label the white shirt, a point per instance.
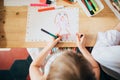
(49, 62)
(107, 52)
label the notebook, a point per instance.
(60, 21)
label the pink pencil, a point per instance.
(38, 4)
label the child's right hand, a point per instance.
(54, 41)
(80, 40)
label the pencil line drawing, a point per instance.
(62, 23)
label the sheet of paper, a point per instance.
(62, 21)
(24, 2)
(19, 2)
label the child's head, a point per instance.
(70, 66)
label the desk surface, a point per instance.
(13, 26)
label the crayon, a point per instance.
(91, 10)
(46, 9)
(117, 2)
(43, 1)
(46, 1)
(83, 1)
(50, 8)
(94, 4)
(49, 33)
(70, 1)
(116, 6)
(35, 4)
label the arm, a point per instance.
(117, 27)
(87, 55)
(35, 73)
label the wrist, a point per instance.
(49, 47)
(81, 47)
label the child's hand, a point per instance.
(54, 41)
(80, 40)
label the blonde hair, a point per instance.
(70, 66)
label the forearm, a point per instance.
(41, 58)
(35, 73)
(81, 45)
(94, 64)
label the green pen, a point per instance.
(91, 10)
(49, 33)
(94, 4)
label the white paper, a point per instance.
(19, 2)
(24, 2)
(62, 21)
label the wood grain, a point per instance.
(13, 22)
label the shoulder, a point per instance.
(49, 62)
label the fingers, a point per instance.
(77, 37)
(58, 38)
(80, 36)
(80, 40)
(57, 35)
(54, 41)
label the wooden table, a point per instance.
(13, 26)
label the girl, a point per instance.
(66, 65)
